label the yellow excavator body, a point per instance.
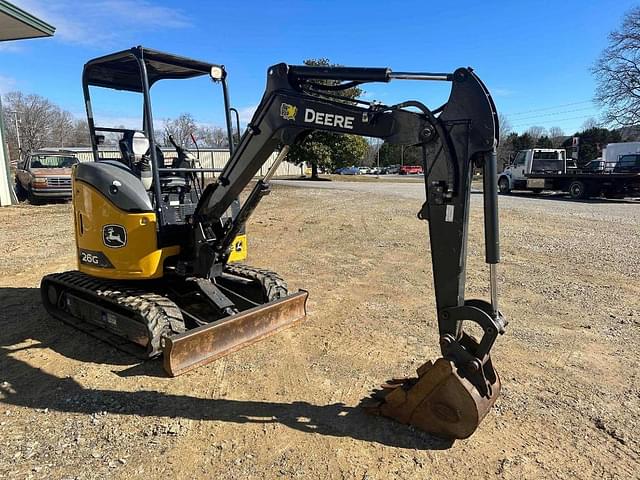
(115, 244)
(119, 245)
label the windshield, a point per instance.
(547, 161)
(52, 161)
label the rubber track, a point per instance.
(273, 285)
(161, 315)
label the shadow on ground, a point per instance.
(24, 320)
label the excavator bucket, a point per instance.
(440, 401)
(207, 343)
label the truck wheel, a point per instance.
(615, 195)
(577, 190)
(503, 186)
(21, 193)
(33, 200)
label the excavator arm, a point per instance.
(451, 396)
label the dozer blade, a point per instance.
(439, 401)
(209, 342)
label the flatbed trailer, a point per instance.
(584, 185)
(537, 170)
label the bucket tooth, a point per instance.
(207, 343)
(440, 401)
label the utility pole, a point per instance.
(15, 119)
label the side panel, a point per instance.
(112, 243)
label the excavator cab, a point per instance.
(168, 187)
(156, 244)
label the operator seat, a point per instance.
(170, 180)
(133, 145)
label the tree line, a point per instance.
(40, 123)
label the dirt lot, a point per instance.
(72, 407)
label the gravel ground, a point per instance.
(74, 408)
(626, 211)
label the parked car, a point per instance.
(348, 171)
(44, 176)
(392, 170)
(594, 166)
(628, 164)
(410, 170)
(364, 170)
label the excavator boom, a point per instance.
(456, 392)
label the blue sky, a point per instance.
(534, 56)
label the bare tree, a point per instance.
(536, 132)
(212, 137)
(556, 134)
(35, 118)
(617, 73)
(505, 147)
(505, 126)
(112, 138)
(40, 123)
(80, 136)
(180, 129)
(590, 123)
(61, 128)
(371, 154)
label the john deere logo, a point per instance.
(288, 112)
(114, 236)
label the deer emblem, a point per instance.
(114, 236)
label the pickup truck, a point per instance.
(45, 175)
(541, 169)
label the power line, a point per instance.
(548, 108)
(562, 112)
(560, 120)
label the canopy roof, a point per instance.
(17, 24)
(120, 70)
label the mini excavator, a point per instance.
(156, 244)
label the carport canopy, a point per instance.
(16, 24)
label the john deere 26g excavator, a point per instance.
(154, 242)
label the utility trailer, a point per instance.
(541, 169)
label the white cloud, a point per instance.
(6, 84)
(114, 121)
(246, 113)
(501, 92)
(12, 47)
(104, 22)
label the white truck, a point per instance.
(613, 152)
(541, 169)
